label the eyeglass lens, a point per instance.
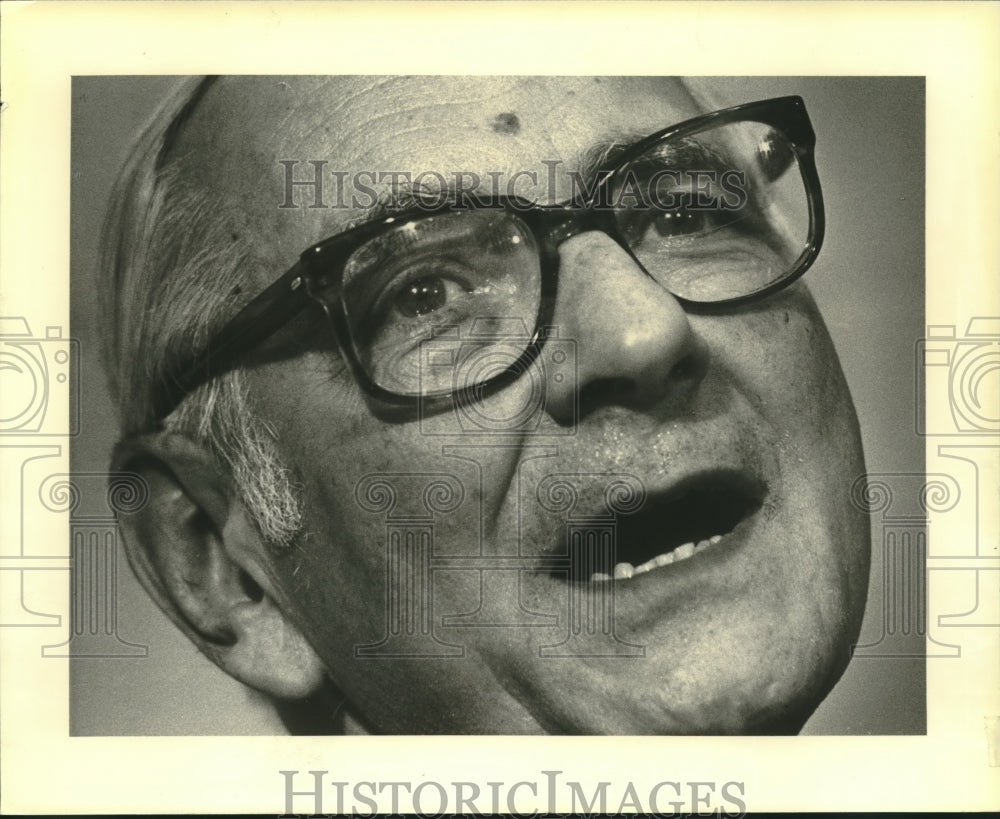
(425, 296)
(444, 301)
(716, 216)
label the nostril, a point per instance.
(649, 388)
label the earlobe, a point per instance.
(195, 550)
(270, 653)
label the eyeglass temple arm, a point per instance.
(261, 318)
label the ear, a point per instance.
(198, 554)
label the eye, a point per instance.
(649, 225)
(423, 287)
(680, 221)
(424, 295)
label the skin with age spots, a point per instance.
(746, 636)
(507, 123)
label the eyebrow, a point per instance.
(407, 195)
(599, 158)
(689, 153)
(603, 156)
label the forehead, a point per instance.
(245, 126)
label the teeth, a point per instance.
(623, 571)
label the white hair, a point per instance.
(172, 272)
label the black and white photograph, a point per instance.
(481, 493)
(403, 432)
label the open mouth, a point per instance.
(694, 516)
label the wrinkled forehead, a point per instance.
(245, 126)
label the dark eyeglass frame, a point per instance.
(324, 262)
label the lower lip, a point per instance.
(641, 600)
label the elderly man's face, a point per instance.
(745, 409)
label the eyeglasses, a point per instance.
(453, 298)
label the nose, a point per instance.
(633, 341)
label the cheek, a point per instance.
(783, 360)
(362, 481)
(359, 476)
